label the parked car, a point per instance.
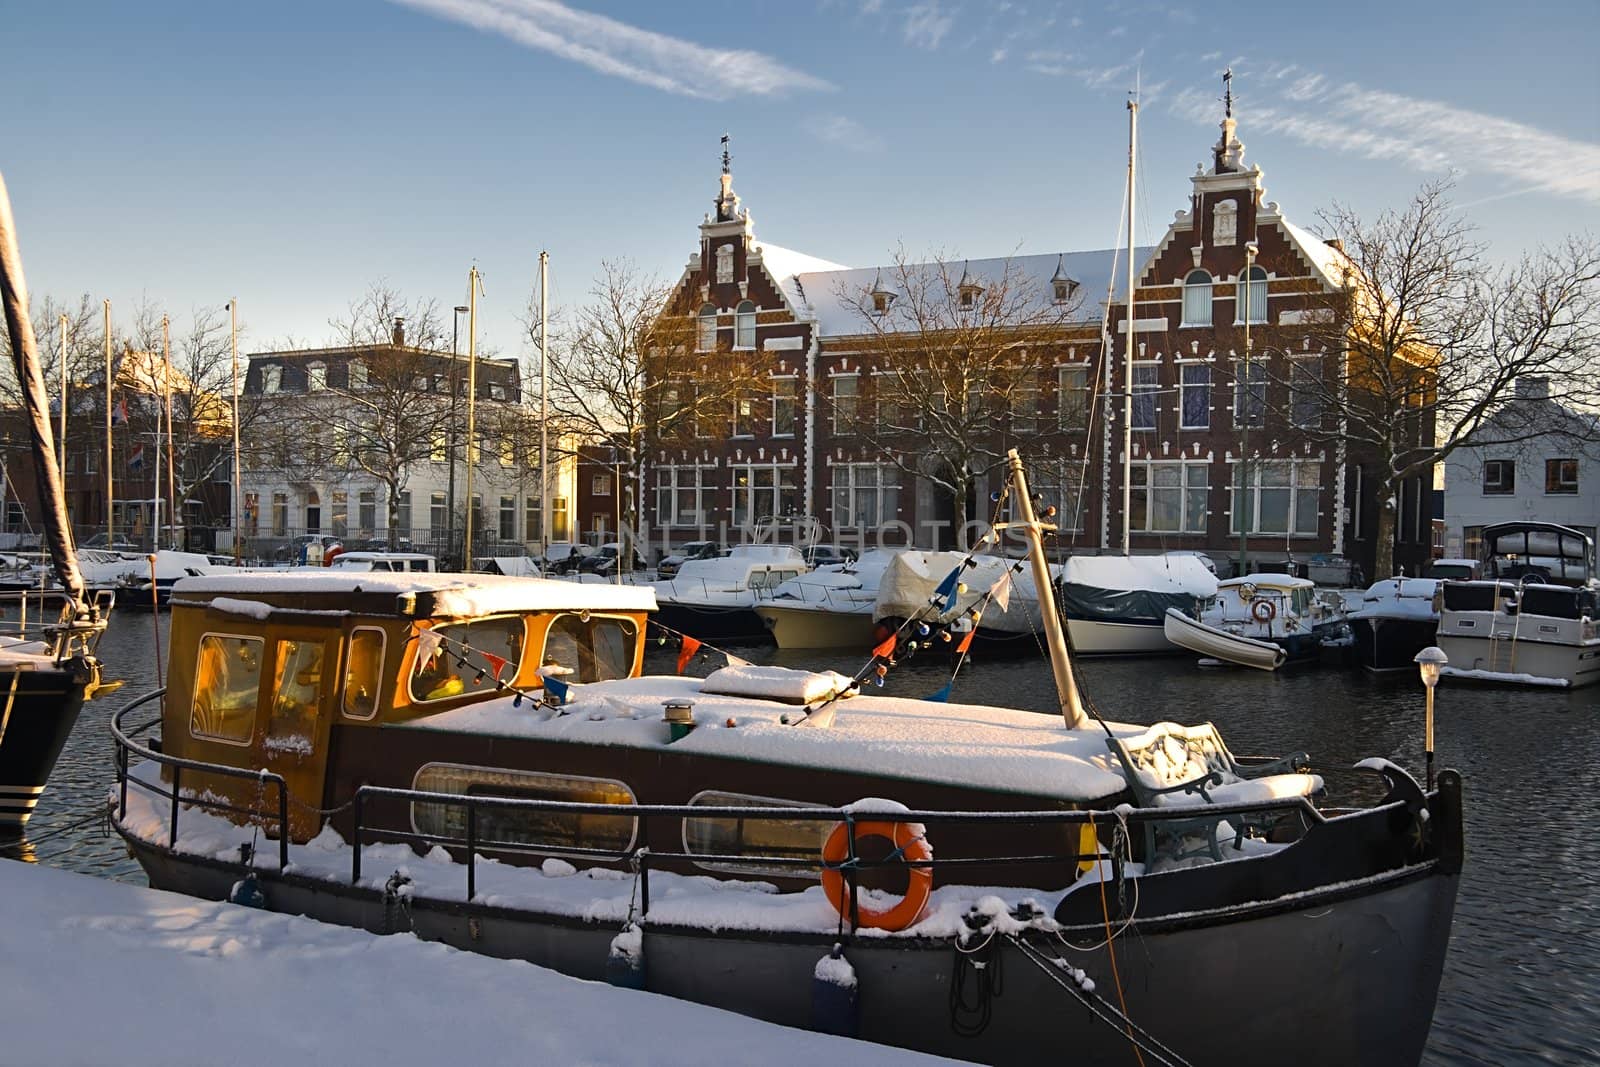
(604, 561)
(668, 567)
(824, 555)
(1458, 569)
(563, 557)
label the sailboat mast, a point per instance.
(474, 283)
(172, 480)
(111, 539)
(61, 446)
(1060, 663)
(544, 411)
(233, 343)
(1127, 383)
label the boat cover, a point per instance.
(1133, 587)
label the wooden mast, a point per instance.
(1060, 664)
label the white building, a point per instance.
(1553, 476)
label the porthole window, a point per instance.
(525, 829)
(787, 838)
(227, 684)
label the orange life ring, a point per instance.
(1264, 610)
(912, 846)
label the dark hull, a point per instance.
(1350, 973)
(711, 623)
(34, 729)
(1391, 644)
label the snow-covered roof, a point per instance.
(823, 294)
(785, 265)
(462, 595)
(1271, 581)
(1327, 260)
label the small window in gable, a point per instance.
(1197, 299)
(1064, 289)
(706, 339)
(744, 325)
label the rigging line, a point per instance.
(680, 634)
(1111, 948)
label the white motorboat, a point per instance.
(1196, 636)
(830, 607)
(1118, 604)
(1278, 608)
(1535, 620)
(715, 599)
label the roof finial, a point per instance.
(1227, 96)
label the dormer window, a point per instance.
(744, 325)
(316, 377)
(881, 296)
(968, 291)
(1197, 299)
(706, 332)
(358, 374)
(271, 378)
(1062, 286)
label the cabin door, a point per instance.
(300, 681)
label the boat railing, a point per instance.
(638, 854)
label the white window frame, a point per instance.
(788, 393)
(670, 481)
(1251, 288)
(1147, 389)
(848, 486)
(1083, 389)
(755, 495)
(1560, 482)
(316, 377)
(1298, 493)
(841, 427)
(1310, 367)
(706, 329)
(1498, 487)
(744, 326)
(1184, 386)
(271, 377)
(1194, 477)
(1243, 371)
(1191, 292)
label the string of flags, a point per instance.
(689, 647)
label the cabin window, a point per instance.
(595, 650)
(460, 666)
(363, 672)
(296, 694)
(227, 680)
(759, 839)
(526, 829)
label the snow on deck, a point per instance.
(454, 594)
(966, 745)
(98, 970)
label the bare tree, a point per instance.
(1423, 348)
(954, 365)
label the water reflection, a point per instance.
(1519, 984)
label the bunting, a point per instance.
(686, 653)
(736, 661)
(885, 648)
(496, 663)
(943, 695)
(1001, 593)
(948, 589)
(556, 691)
(428, 643)
(966, 641)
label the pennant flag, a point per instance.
(119, 413)
(947, 589)
(943, 695)
(1001, 594)
(428, 644)
(136, 458)
(966, 641)
(556, 691)
(885, 648)
(686, 653)
(496, 663)
(736, 661)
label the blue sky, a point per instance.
(290, 153)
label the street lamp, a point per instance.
(1429, 661)
(450, 492)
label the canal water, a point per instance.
(1522, 980)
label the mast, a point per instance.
(544, 410)
(61, 457)
(25, 360)
(1060, 664)
(474, 282)
(233, 342)
(1127, 384)
(111, 539)
(172, 481)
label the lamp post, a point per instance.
(450, 492)
(1429, 661)
(1247, 513)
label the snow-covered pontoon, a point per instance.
(477, 760)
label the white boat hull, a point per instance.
(1525, 663)
(809, 626)
(1219, 644)
(1101, 638)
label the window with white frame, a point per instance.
(744, 325)
(438, 515)
(1561, 476)
(1194, 400)
(785, 406)
(1025, 402)
(1279, 496)
(1168, 497)
(1059, 485)
(763, 490)
(1072, 396)
(1249, 393)
(744, 417)
(1146, 383)
(532, 526)
(682, 494)
(367, 511)
(1305, 392)
(844, 402)
(1252, 300)
(1499, 477)
(865, 495)
(706, 329)
(316, 376)
(508, 518)
(1197, 299)
(402, 515)
(358, 374)
(600, 485)
(280, 514)
(891, 409)
(271, 377)
(438, 446)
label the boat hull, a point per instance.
(1529, 663)
(1391, 644)
(1219, 644)
(1099, 637)
(714, 623)
(1351, 972)
(794, 626)
(34, 726)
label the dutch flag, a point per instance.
(136, 457)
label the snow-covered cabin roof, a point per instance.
(824, 294)
(454, 595)
(1271, 581)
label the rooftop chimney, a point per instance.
(399, 332)
(1334, 243)
(1533, 387)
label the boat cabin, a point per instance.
(400, 562)
(1538, 552)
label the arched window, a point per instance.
(1253, 298)
(744, 325)
(706, 339)
(1197, 299)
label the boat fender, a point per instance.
(835, 996)
(1264, 610)
(247, 893)
(910, 845)
(625, 960)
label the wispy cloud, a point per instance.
(617, 49)
(844, 132)
(926, 25)
(1423, 134)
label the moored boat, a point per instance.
(830, 607)
(715, 599)
(476, 760)
(1396, 619)
(1278, 608)
(1196, 636)
(1118, 604)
